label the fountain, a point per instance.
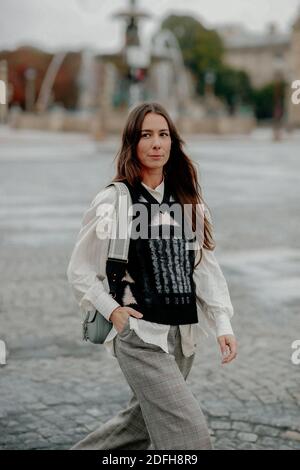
(172, 80)
(140, 72)
(3, 91)
(48, 82)
(87, 82)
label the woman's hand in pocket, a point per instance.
(120, 315)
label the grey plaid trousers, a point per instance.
(162, 412)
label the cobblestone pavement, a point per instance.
(55, 388)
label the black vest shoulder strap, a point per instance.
(138, 190)
(148, 196)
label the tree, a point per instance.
(234, 86)
(203, 51)
(201, 48)
(264, 99)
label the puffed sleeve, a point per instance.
(86, 271)
(212, 292)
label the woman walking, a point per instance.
(167, 295)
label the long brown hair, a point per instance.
(179, 172)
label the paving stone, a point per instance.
(220, 425)
(225, 433)
(247, 436)
(294, 436)
(266, 430)
(271, 443)
(240, 426)
(247, 446)
(94, 412)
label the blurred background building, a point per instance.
(220, 80)
(268, 58)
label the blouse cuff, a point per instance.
(103, 301)
(223, 325)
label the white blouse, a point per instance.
(87, 276)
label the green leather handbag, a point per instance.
(96, 328)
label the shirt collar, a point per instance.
(159, 189)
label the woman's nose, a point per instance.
(156, 142)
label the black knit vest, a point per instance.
(159, 276)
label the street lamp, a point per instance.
(278, 97)
(137, 60)
(30, 77)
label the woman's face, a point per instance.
(153, 149)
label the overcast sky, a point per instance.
(73, 24)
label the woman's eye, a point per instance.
(162, 134)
